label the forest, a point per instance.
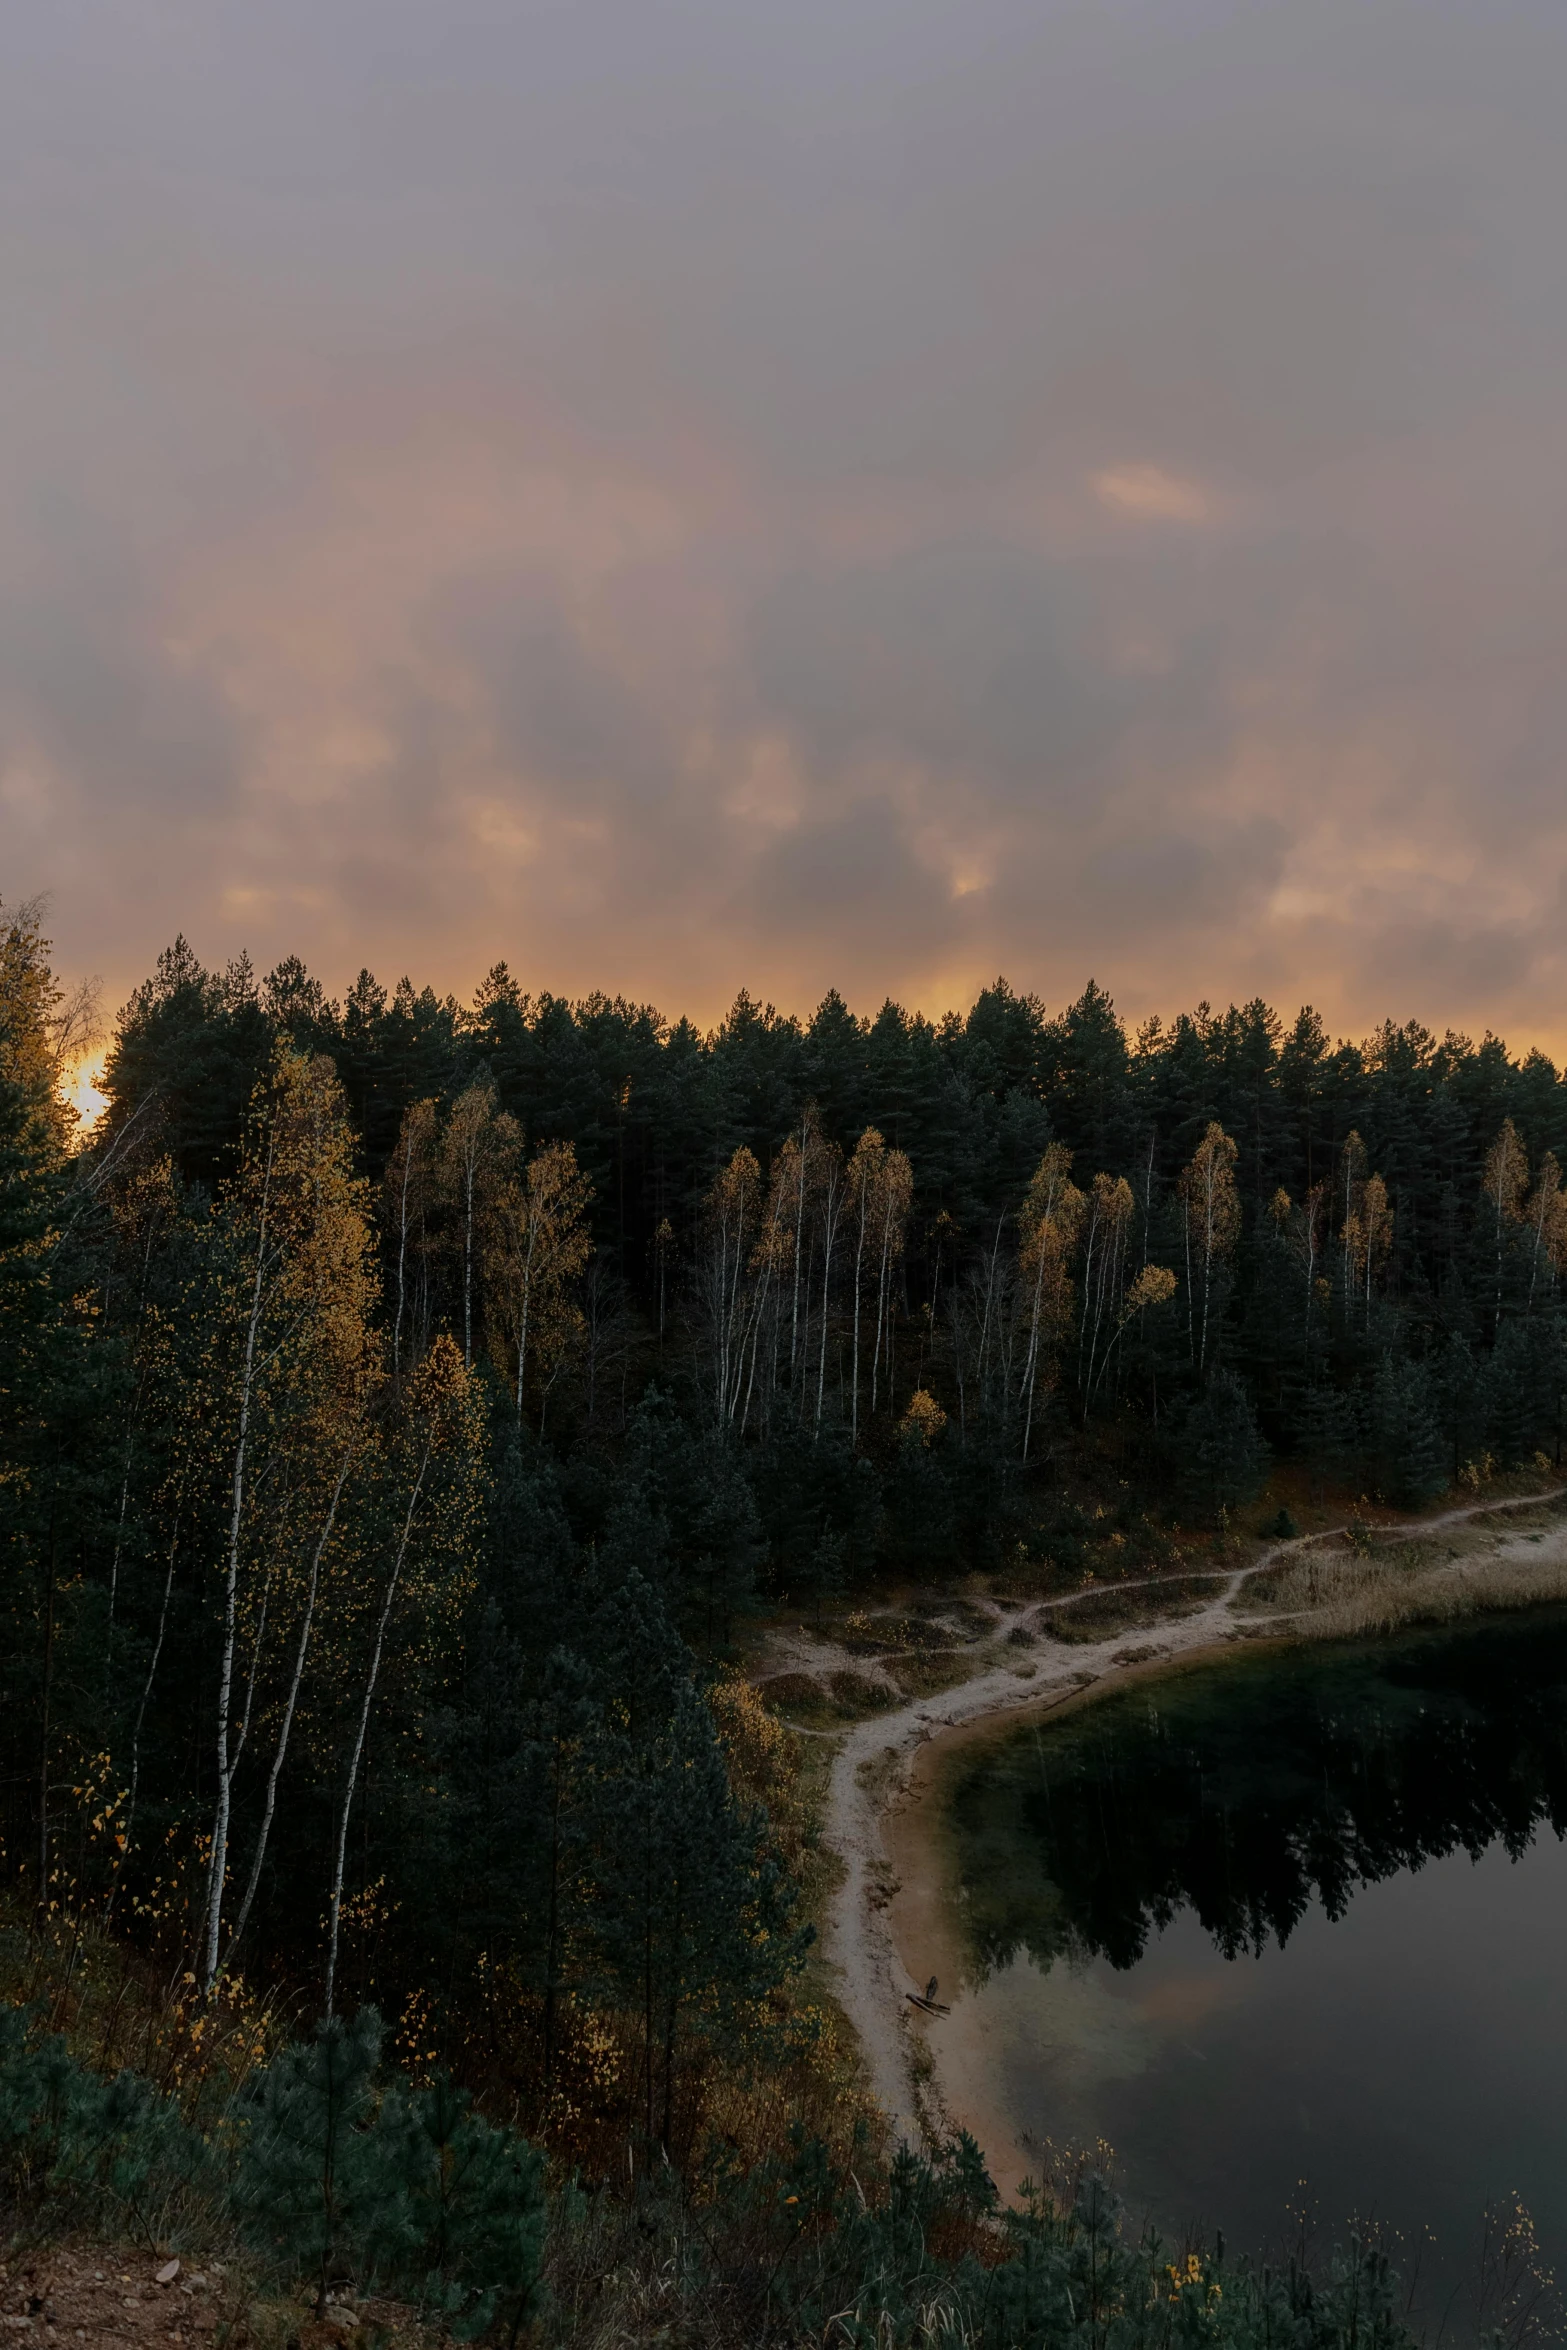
(406, 1405)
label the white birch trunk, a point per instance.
(341, 1861)
(220, 1821)
(286, 1727)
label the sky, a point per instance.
(683, 494)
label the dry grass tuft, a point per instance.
(1337, 1595)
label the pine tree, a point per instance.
(692, 1916)
(1460, 1402)
(474, 2201)
(1403, 1441)
(1222, 1458)
(316, 2182)
(1325, 1422)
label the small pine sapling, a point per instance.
(474, 2198)
(318, 2184)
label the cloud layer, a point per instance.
(679, 495)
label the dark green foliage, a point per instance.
(191, 1048)
(544, 1827)
(473, 2196)
(1459, 1397)
(316, 2183)
(408, 2189)
(109, 2151)
(1403, 1440)
(334, 2180)
(413, 2193)
(1222, 1458)
(921, 1512)
(690, 1910)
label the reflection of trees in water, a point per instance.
(1247, 1792)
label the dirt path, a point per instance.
(873, 1774)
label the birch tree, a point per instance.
(897, 1195)
(732, 1224)
(1545, 1218)
(1367, 1238)
(1108, 1226)
(475, 1149)
(537, 1242)
(831, 1200)
(1212, 1217)
(1302, 1230)
(865, 1183)
(428, 1482)
(1348, 1186)
(406, 1194)
(1049, 1221)
(1504, 1182)
(289, 1361)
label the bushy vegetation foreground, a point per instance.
(318, 2169)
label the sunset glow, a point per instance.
(795, 504)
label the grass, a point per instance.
(1105, 1613)
(1460, 1571)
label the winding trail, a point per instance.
(871, 1771)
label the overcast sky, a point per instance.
(794, 493)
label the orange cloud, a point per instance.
(1151, 494)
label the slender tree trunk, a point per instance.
(859, 1261)
(467, 1269)
(799, 1249)
(881, 1307)
(525, 1308)
(829, 1234)
(1031, 1359)
(119, 1534)
(402, 1257)
(146, 1695)
(552, 1933)
(285, 1728)
(335, 1912)
(985, 1318)
(647, 1970)
(220, 1823)
(47, 1703)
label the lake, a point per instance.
(1288, 1933)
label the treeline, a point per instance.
(1021, 1239)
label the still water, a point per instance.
(1289, 1934)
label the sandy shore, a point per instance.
(886, 1930)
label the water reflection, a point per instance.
(1249, 1793)
(1296, 1919)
